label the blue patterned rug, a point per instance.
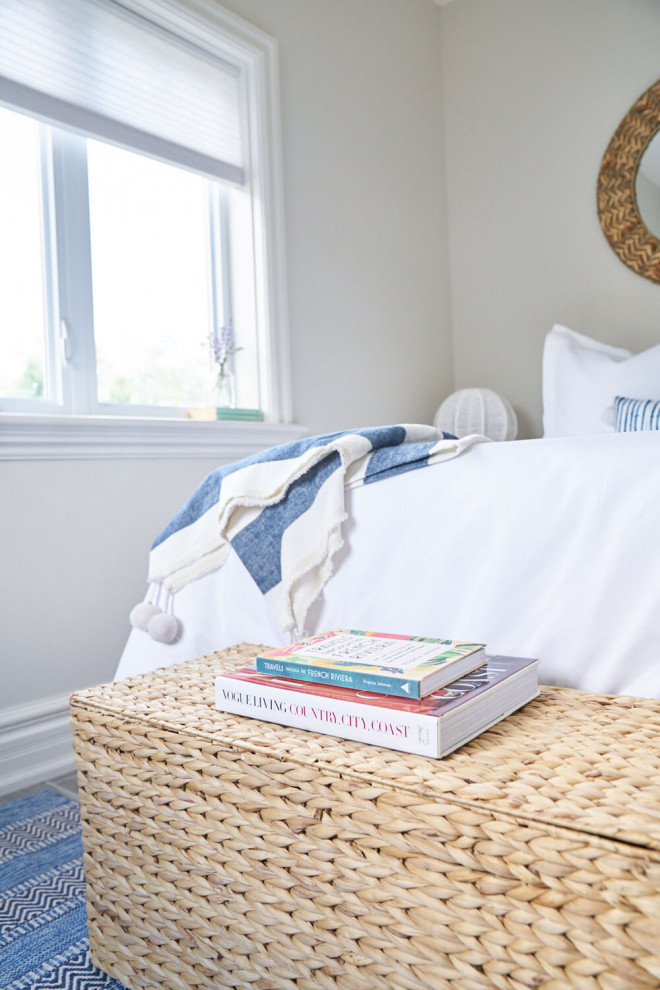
(43, 925)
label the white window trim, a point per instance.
(65, 438)
(48, 436)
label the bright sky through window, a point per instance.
(151, 278)
(154, 274)
(22, 310)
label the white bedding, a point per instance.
(544, 548)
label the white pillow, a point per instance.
(582, 377)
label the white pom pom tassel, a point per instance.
(142, 614)
(163, 628)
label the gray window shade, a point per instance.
(96, 67)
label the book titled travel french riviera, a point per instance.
(433, 726)
(407, 666)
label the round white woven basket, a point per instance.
(477, 410)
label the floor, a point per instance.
(66, 785)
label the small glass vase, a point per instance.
(223, 394)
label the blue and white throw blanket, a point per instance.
(282, 509)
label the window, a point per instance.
(139, 209)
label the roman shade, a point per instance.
(109, 72)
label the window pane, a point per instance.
(151, 279)
(22, 310)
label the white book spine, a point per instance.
(406, 731)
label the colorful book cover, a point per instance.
(432, 726)
(385, 663)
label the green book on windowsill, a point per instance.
(226, 412)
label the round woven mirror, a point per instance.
(618, 205)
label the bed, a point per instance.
(546, 548)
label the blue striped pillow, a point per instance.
(636, 414)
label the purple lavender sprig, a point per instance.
(222, 346)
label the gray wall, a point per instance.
(75, 537)
(534, 90)
(366, 222)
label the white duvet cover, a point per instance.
(542, 548)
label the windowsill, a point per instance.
(36, 437)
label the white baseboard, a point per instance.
(36, 742)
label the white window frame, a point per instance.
(34, 435)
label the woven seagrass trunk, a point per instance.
(228, 852)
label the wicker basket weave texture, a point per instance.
(226, 852)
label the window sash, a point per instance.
(76, 367)
(70, 371)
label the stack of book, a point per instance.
(410, 693)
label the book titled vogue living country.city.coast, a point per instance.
(384, 663)
(432, 726)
